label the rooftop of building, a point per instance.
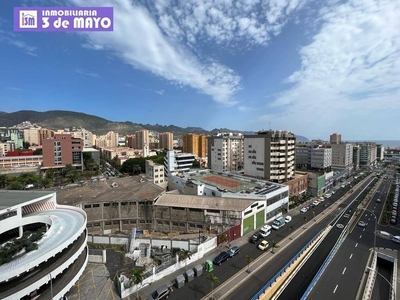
(202, 202)
(12, 198)
(231, 183)
(90, 150)
(128, 189)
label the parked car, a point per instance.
(396, 239)
(362, 224)
(288, 219)
(304, 209)
(378, 200)
(393, 220)
(263, 245)
(162, 292)
(233, 251)
(223, 256)
(255, 238)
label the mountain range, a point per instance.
(60, 119)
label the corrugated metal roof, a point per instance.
(203, 202)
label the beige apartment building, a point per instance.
(32, 137)
(342, 155)
(45, 134)
(110, 140)
(142, 138)
(225, 152)
(270, 155)
(85, 135)
(166, 141)
(335, 138)
(155, 173)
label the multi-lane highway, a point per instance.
(341, 278)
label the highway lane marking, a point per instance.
(356, 245)
(344, 270)
(364, 229)
(360, 236)
(351, 255)
(334, 291)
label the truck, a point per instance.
(265, 230)
(278, 223)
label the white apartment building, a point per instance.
(177, 162)
(6, 147)
(321, 158)
(155, 173)
(342, 155)
(270, 154)
(313, 156)
(225, 152)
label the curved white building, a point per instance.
(50, 271)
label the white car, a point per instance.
(396, 239)
(288, 219)
(304, 209)
(315, 202)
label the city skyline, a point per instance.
(304, 66)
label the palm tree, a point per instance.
(223, 239)
(72, 176)
(305, 219)
(274, 245)
(137, 278)
(214, 280)
(249, 260)
(184, 255)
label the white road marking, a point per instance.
(334, 291)
(360, 236)
(356, 245)
(351, 255)
(364, 229)
(344, 270)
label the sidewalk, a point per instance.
(169, 280)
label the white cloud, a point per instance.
(87, 73)
(13, 88)
(244, 108)
(350, 72)
(160, 92)
(14, 39)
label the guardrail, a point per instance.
(273, 279)
(325, 264)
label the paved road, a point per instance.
(26, 279)
(347, 267)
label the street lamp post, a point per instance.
(391, 286)
(376, 221)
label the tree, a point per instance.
(137, 278)
(184, 255)
(305, 219)
(38, 151)
(69, 168)
(249, 258)
(196, 164)
(137, 169)
(274, 245)
(3, 180)
(214, 280)
(72, 176)
(26, 145)
(223, 239)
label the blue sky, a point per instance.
(311, 67)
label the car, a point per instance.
(263, 245)
(396, 239)
(288, 219)
(393, 221)
(304, 209)
(315, 202)
(233, 251)
(362, 224)
(255, 237)
(395, 204)
(394, 213)
(378, 200)
(223, 256)
(162, 292)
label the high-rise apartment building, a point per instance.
(110, 140)
(142, 138)
(367, 153)
(380, 152)
(85, 135)
(342, 155)
(61, 150)
(166, 141)
(196, 144)
(356, 157)
(131, 140)
(336, 138)
(225, 152)
(14, 135)
(312, 156)
(45, 134)
(270, 154)
(32, 136)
